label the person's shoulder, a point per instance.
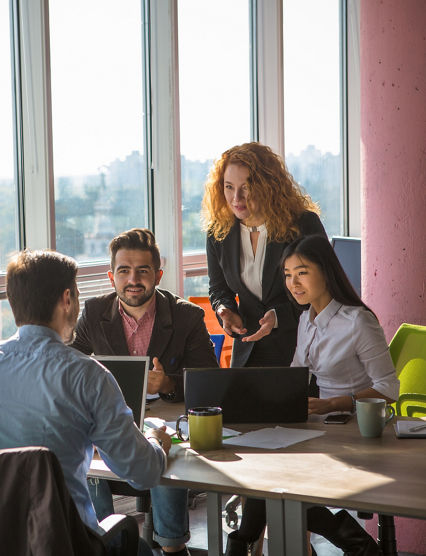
(357, 314)
(179, 303)
(310, 220)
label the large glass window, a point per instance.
(98, 117)
(312, 103)
(214, 91)
(9, 238)
(8, 196)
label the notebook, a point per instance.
(131, 373)
(250, 394)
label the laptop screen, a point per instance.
(131, 373)
(250, 394)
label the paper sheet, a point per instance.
(273, 438)
(402, 429)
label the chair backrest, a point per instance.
(348, 251)
(408, 352)
(217, 340)
(37, 514)
(214, 327)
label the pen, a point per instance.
(418, 428)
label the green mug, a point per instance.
(372, 415)
(204, 428)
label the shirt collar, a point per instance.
(149, 313)
(321, 321)
(32, 330)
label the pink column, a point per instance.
(393, 170)
(393, 160)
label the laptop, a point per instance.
(131, 373)
(250, 394)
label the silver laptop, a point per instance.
(131, 373)
(250, 394)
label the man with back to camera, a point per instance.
(141, 319)
(51, 395)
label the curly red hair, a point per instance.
(270, 184)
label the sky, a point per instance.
(96, 55)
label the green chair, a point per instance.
(408, 352)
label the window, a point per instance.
(312, 103)
(9, 237)
(98, 120)
(215, 111)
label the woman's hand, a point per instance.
(231, 322)
(267, 323)
(320, 406)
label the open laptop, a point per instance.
(250, 394)
(131, 373)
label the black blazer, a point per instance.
(223, 259)
(179, 336)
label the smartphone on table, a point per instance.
(337, 418)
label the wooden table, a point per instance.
(341, 469)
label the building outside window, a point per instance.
(215, 108)
(313, 103)
(98, 120)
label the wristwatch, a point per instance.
(160, 442)
(353, 398)
(170, 397)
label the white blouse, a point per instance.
(251, 266)
(345, 348)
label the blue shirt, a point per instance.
(52, 395)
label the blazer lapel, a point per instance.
(112, 328)
(273, 255)
(231, 252)
(163, 328)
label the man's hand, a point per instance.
(231, 322)
(156, 377)
(163, 438)
(267, 323)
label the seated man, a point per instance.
(51, 395)
(140, 319)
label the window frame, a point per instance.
(33, 121)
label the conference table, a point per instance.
(386, 475)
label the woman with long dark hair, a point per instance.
(341, 341)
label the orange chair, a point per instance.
(214, 327)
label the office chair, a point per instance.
(38, 515)
(217, 340)
(213, 327)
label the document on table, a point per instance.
(410, 429)
(273, 438)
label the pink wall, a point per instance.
(393, 178)
(393, 160)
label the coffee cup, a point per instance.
(372, 415)
(204, 428)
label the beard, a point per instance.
(136, 300)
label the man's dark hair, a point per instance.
(35, 282)
(136, 238)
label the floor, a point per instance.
(198, 520)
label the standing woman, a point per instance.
(252, 209)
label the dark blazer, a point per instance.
(179, 336)
(223, 259)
